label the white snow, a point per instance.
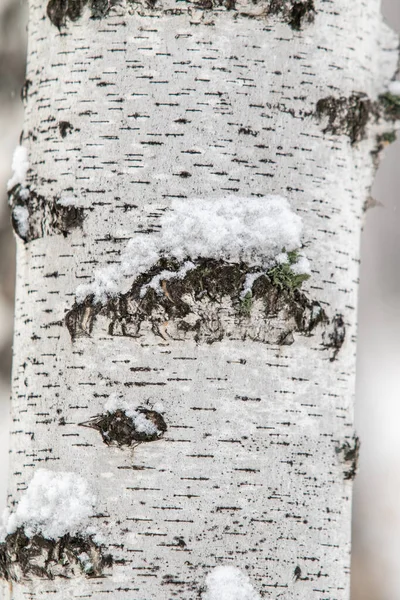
(251, 230)
(67, 201)
(54, 504)
(115, 402)
(144, 425)
(394, 88)
(20, 167)
(249, 281)
(165, 275)
(84, 559)
(159, 407)
(3, 524)
(21, 216)
(301, 266)
(282, 258)
(141, 423)
(229, 583)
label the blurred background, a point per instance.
(13, 19)
(376, 523)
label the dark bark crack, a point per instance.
(296, 14)
(23, 557)
(347, 116)
(60, 11)
(335, 336)
(349, 452)
(25, 89)
(351, 115)
(390, 106)
(117, 428)
(65, 128)
(41, 217)
(206, 305)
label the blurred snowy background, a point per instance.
(376, 546)
(13, 17)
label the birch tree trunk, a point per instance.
(247, 453)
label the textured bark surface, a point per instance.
(205, 306)
(126, 112)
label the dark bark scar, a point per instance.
(42, 216)
(206, 305)
(349, 452)
(60, 11)
(23, 557)
(117, 428)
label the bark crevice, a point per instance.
(60, 11)
(23, 557)
(208, 304)
(42, 216)
(118, 428)
(297, 14)
(351, 115)
(349, 454)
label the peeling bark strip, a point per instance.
(178, 103)
(296, 13)
(206, 305)
(23, 557)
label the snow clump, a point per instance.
(54, 504)
(21, 218)
(249, 230)
(140, 422)
(165, 276)
(68, 201)
(229, 583)
(20, 167)
(394, 88)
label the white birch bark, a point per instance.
(125, 113)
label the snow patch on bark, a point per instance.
(394, 88)
(299, 265)
(249, 230)
(229, 583)
(251, 278)
(53, 505)
(20, 167)
(21, 218)
(68, 201)
(140, 422)
(165, 275)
